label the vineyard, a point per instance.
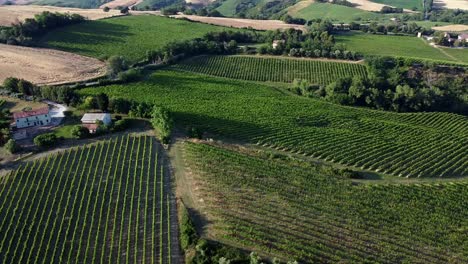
(296, 210)
(272, 69)
(108, 202)
(406, 145)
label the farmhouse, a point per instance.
(91, 121)
(38, 117)
(462, 37)
(277, 42)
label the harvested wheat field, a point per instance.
(371, 6)
(45, 66)
(117, 3)
(242, 23)
(14, 13)
(452, 28)
(451, 4)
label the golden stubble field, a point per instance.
(45, 66)
(13, 13)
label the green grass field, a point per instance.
(101, 203)
(264, 69)
(401, 46)
(299, 211)
(228, 7)
(408, 4)
(408, 145)
(130, 36)
(336, 13)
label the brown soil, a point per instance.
(452, 28)
(14, 13)
(451, 4)
(371, 6)
(242, 23)
(45, 66)
(117, 3)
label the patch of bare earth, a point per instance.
(13, 13)
(242, 23)
(452, 28)
(371, 6)
(45, 66)
(117, 3)
(299, 6)
(451, 4)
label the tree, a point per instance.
(124, 10)
(25, 87)
(162, 122)
(102, 101)
(11, 146)
(106, 9)
(45, 140)
(120, 105)
(11, 84)
(89, 103)
(80, 132)
(116, 64)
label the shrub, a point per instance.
(195, 133)
(130, 75)
(11, 146)
(188, 234)
(121, 125)
(106, 9)
(80, 132)
(45, 140)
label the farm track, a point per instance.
(111, 203)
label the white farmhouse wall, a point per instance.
(38, 120)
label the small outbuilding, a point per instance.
(91, 121)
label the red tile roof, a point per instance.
(91, 126)
(24, 114)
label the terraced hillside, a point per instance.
(296, 210)
(103, 203)
(407, 145)
(130, 36)
(272, 69)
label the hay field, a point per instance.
(241, 22)
(451, 4)
(117, 3)
(45, 66)
(452, 28)
(14, 13)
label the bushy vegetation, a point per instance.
(300, 210)
(272, 69)
(102, 203)
(4, 123)
(392, 85)
(46, 140)
(256, 113)
(25, 33)
(131, 37)
(162, 122)
(20, 87)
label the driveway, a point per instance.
(56, 112)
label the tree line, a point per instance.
(397, 85)
(25, 33)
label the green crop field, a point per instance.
(402, 46)
(336, 13)
(408, 4)
(103, 203)
(409, 145)
(228, 7)
(130, 36)
(272, 69)
(296, 210)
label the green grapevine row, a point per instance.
(301, 211)
(272, 69)
(102, 203)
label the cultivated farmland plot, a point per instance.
(295, 210)
(103, 203)
(272, 69)
(400, 144)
